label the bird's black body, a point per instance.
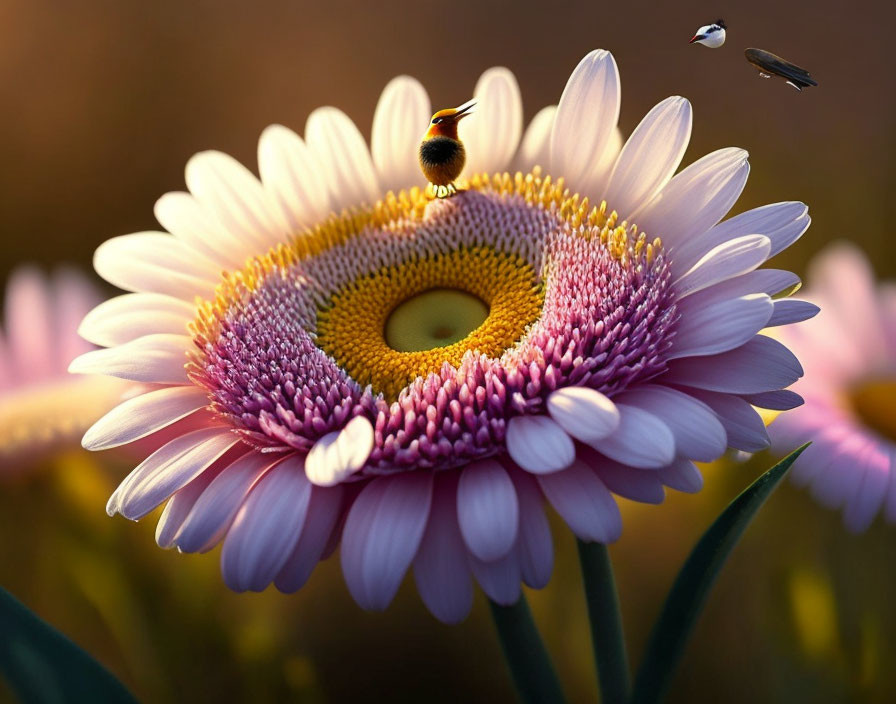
(442, 159)
(770, 64)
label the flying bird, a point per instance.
(711, 35)
(442, 155)
(770, 65)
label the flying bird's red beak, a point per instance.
(695, 38)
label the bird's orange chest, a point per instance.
(442, 159)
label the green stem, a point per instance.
(607, 636)
(526, 656)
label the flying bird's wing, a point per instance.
(767, 62)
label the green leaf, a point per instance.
(689, 592)
(42, 666)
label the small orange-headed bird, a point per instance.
(442, 154)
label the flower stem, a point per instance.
(526, 656)
(607, 636)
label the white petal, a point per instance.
(487, 510)
(229, 191)
(743, 425)
(719, 326)
(728, 260)
(535, 149)
(125, 318)
(142, 415)
(343, 158)
(586, 119)
(492, 133)
(440, 568)
(169, 468)
(154, 359)
(762, 364)
(199, 229)
(154, 262)
(782, 223)
(774, 282)
(401, 117)
(650, 156)
(266, 527)
(534, 544)
(697, 198)
(641, 440)
(698, 433)
(339, 454)
(538, 444)
(789, 311)
(382, 534)
(291, 175)
(583, 501)
(323, 514)
(586, 414)
(216, 508)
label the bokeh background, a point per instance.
(103, 103)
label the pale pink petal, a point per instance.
(534, 544)
(762, 364)
(169, 468)
(583, 501)
(586, 119)
(382, 534)
(267, 527)
(487, 510)
(719, 326)
(698, 433)
(339, 454)
(535, 149)
(730, 259)
(440, 568)
(682, 475)
(744, 427)
(789, 311)
(343, 158)
(492, 133)
(154, 359)
(866, 502)
(28, 321)
(216, 508)
(641, 440)
(289, 173)
(650, 156)
(584, 413)
(696, 198)
(232, 194)
(125, 318)
(143, 415)
(538, 444)
(324, 511)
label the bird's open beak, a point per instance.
(697, 38)
(464, 110)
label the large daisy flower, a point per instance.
(43, 408)
(850, 391)
(408, 378)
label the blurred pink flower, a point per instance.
(627, 357)
(849, 354)
(43, 408)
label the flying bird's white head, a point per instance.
(711, 35)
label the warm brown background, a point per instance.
(102, 104)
